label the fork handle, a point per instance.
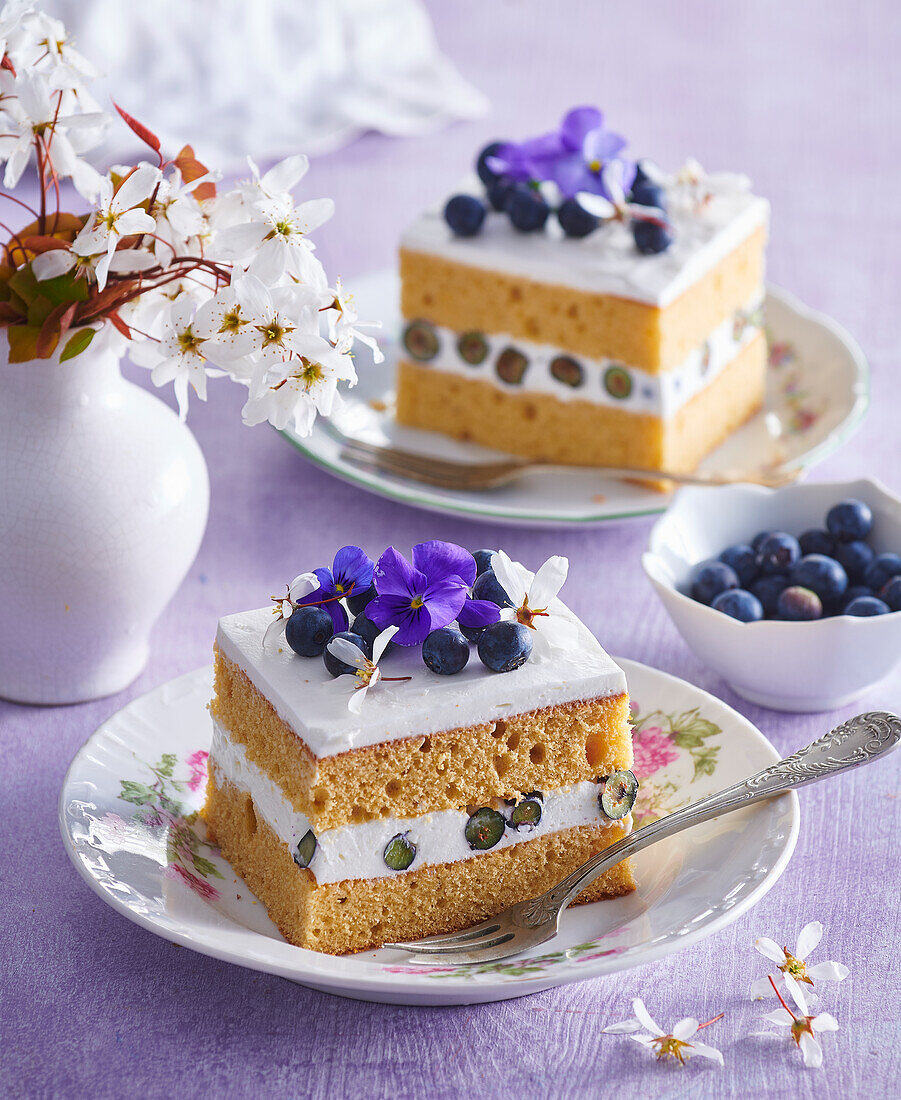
(859, 740)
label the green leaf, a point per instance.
(65, 288)
(167, 764)
(77, 343)
(205, 867)
(138, 793)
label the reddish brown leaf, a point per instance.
(119, 324)
(22, 343)
(9, 315)
(7, 64)
(56, 323)
(42, 243)
(191, 169)
(147, 136)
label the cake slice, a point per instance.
(438, 801)
(632, 339)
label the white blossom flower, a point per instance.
(223, 320)
(793, 967)
(803, 1028)
(677, 1044)
(68, 67)
(278, 182)
(300, 387)
(178, 214)
(366, 672)
(274, 241)
(344, 326)
(285, 606)
(31, 108)
(118, 215)
(532, 595)
(178, 356)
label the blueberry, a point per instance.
(484, 828)
(651, 238)
(881, 570)
(526, 813)
(486, 174)
(471, 633)
(739, 604)
(854, 557)
(526, 209)
(306, 849)
(575, 221)
(445, 651)
(854, 591)
(339, 668)
(821, 575)
(890, 593)
(308, 629)
(368, 631)
(778, 553)
(768, 590)
(758, 540)
(359, 600)
(646, 193)
(709, 578)
(483, 560)
(464, 214)
(850, 519)
(617, 795)
(865, 606)
(499, 192)
(488, 587)
(798, 604)
(817, 541)
(743, 560)
(504, 646)
(399, 852)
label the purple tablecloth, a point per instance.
(804, 97)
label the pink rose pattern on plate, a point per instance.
(158, 807)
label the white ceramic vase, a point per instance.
(104, 497)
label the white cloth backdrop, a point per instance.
(268, 77)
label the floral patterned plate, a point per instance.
(816, 395)
(128, 815)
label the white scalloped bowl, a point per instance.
(805, 666)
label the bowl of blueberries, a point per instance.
(792, 595)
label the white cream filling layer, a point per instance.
(356, 851)
(657, 394)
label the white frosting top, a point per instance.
(357, 851)
(606, 261)
(314, 704)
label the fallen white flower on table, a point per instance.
(531, 595)
(803, 1029)
(677, 1044)
(793, 967)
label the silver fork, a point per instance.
(481, 476)
(527, 924)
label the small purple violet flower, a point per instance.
(424, 596)
(573, 156)
(476, 613)
(351, 572)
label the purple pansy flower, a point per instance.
(476, 613)
(573, 157)
(424, 596)
(351, 571)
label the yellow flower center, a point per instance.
(670, 1047)
(232, 320)
(795, 967)
(274, 332)
(417, 602)
(595, 165)
(310, 373)
(188, 343)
